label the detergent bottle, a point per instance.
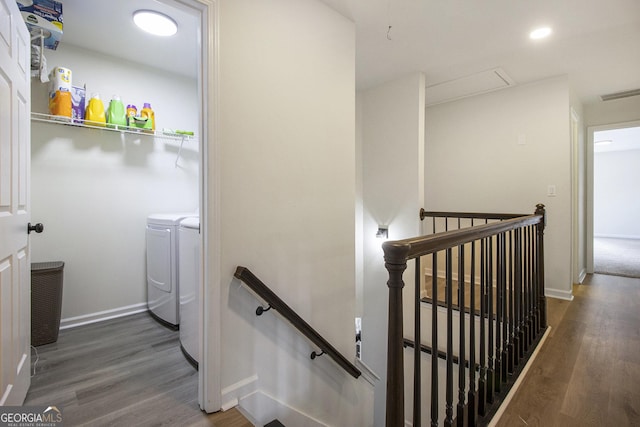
(131, 114)
(95, 114)
(148, 113)
(60, 104)
(116, 115)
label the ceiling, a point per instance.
(107, 26)
(621, 139)
(595, 42)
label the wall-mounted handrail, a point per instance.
(275, 302)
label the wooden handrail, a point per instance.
(467, 215)
(275, 302)
(399, 251)
(518, 321)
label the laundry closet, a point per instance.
(94, 188)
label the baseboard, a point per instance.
(617, 236)
(101, 316)
(516, 385)
(231, 395)
(582, 276)
(367, 373)
(260, 408)
(557, 293)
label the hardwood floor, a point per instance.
(588, 371)
(123, 372)
(131, 372)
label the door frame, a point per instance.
(209, 372)
(591, 130)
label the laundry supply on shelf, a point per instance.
(95, 114)
(147, 113)
(116, 114)
(60, 92)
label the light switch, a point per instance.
(551, 190)
(522, 139)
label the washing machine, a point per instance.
(189, 278)
(162, 267)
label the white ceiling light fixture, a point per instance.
(155, 23)
(540, 33)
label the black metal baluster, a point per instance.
(503, 306)
(519, 347)
(448, 421)
(417, 375)
(531, 273)
(482, 397)
(525, 294)
(512, 262)
(497, 384)
(471, 395)
(434, 342)
(462, 338)
(490, 326)
(534, 280)
(528, 297)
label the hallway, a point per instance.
(588, 371)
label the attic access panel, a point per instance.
(463, 87)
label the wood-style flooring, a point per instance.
(588, 371)
(122, 372)
(131, 372)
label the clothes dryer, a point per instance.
(162, 267)
(189, 279)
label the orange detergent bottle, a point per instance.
(60, 104)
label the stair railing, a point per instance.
(275, 302)
(504, 258)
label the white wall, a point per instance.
(287, 201)
(616, 205)
(578, 189)
(93, 189)
(610, 112)
(392, 165)
(474, 162)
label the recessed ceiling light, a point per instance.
(540, 33)
(155, 23)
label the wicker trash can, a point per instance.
(46, 301)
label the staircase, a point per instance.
(478, 311)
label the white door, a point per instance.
(15, 271)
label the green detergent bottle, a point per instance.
(116, 114)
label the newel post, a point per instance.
(540, 210)
(395, 257)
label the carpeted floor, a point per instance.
(618, 257)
